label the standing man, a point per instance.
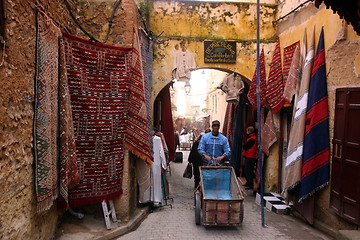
(250, 154)
(214, 147)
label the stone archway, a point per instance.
(194, 22)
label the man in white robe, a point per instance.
(156, 169)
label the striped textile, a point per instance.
(252, 90)
(316, 162)
(293, 79)
(275, 86)
(46, 112)
(292, 175)
(268, 132)
(288, 57)
(137, 138)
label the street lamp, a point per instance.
(187, 88)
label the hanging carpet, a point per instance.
(316, 162)
(292, 174)
(252, 90)
(288, 57)
(275, 85)
(46, 113)
(109, 112)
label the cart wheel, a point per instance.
(197, 207)
(241, 213)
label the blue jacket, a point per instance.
(214, 146)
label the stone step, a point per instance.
(273, 202)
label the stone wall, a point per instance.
(18, 217)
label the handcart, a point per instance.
(219, 198)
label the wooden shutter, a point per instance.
(345, 174)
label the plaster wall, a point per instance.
(342, 67)
(194, 21)
(18, 216)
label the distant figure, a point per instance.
(177, 140)
(250, 154)
(196, 160)
(214, 147)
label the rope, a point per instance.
(116, 5)
(292, 11)
(92, 38)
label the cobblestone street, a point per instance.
(178, 222)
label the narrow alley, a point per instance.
(178, 222)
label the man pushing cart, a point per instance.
(219, 198)
(214, 147)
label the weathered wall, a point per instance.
(18, 217)
(342, 61)
(94, 15)
(194, 21)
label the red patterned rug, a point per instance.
(108, 109)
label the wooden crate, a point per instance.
(223, 212)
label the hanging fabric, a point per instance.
(292, 175)
(108, 108)
(252, 90)
(293, 79)
(288, 57)
(275, 85)
(229, 123)
(268, 133)
(46, 112)
(167, 125)
(316, 161)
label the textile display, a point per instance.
(147, 57)
(137, 137)
(233, 86)
(268, 133)
(252, 90)
(167, 125)
(275, 86)
(292, 175)
(69, 174)
(183, 62)
(108, 109)
(293, 79)
(316, 162)
(229, 123)
(288, 57)
(46, 112)
(236, 143)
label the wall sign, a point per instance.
(219, 51)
